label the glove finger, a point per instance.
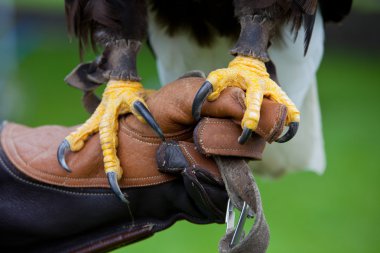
(173, 112)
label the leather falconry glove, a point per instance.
(216, 137)
(78, 212)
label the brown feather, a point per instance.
(307, 6)
(303, 12)
(103, 21)
(308, 21)
(100, 21)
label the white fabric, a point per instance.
(177, 55)
(296, 74)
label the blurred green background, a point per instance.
(336, 212)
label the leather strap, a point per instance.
(181, 158)
(210, 138)
(235, 173)
(210, 135)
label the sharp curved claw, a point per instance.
(112, 180)
(293, 128)
(144, 112)
(200, 98)
(244, 137)
(63, 148)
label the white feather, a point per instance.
(296, 74)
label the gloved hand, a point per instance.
(216, 137)
(77, 211)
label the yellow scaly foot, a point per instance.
(249, 74)
(119, 97)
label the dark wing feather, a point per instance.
(261, 4)
(303, 11)
(308, 21)
(100, 21)
(335, 10)
(307, 6)
(79, 21)
(331, 11)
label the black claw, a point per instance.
(293, 128)
(112, 180)
(200, 98)
(144, 112)
(63, 148)
(245, 135)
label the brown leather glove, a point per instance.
(77, 211)
(217, 137)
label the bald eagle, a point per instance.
(267, 41)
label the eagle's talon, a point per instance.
(63, 148)
(148, 117)
(244, 137)
(250, 75)
(199, 99)
(293, 128)
(112, 180)
(119, 97)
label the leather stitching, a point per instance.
(136, 135)
(49, 187)
(184, 146)
(176, 145)
(189, 156)
(208, 149)
(53, 177)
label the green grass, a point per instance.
(38, 4)
(336, 212)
